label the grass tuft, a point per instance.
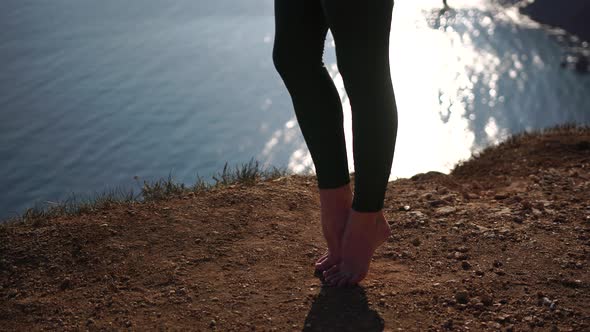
(74, 205)
(161, 189)
(246, 174)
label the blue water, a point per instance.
(93, 94)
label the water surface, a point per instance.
(95, 93)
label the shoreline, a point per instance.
(571, 15)
(248, 173)
(568, 15)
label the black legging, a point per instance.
(361, 33)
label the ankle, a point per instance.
(336, 197)
(365, 216)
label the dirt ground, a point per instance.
(501, 244)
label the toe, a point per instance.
(322, 258)
(322, 267)
(322, 264)
(327, 264)
(333, 279)
(331, 271)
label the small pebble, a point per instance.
(463, 249)
(448, 324)
(437, 202)
(487, 300)
(462, 297)
(65, 284)
(460, 256)
(12, 293)
(517, 219)
(501, 196)
(503, 318)
(495, 325)
(500, 272)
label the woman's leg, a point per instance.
(300, 33)
(361, 33)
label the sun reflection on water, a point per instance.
(457, 76)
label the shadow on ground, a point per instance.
(347, 309)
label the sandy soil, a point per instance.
(501, 244)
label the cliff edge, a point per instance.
(501, 243)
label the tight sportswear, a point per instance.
(361, 34)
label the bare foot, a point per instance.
(335, 206)
(365, 232)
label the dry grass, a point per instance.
(247, 174)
